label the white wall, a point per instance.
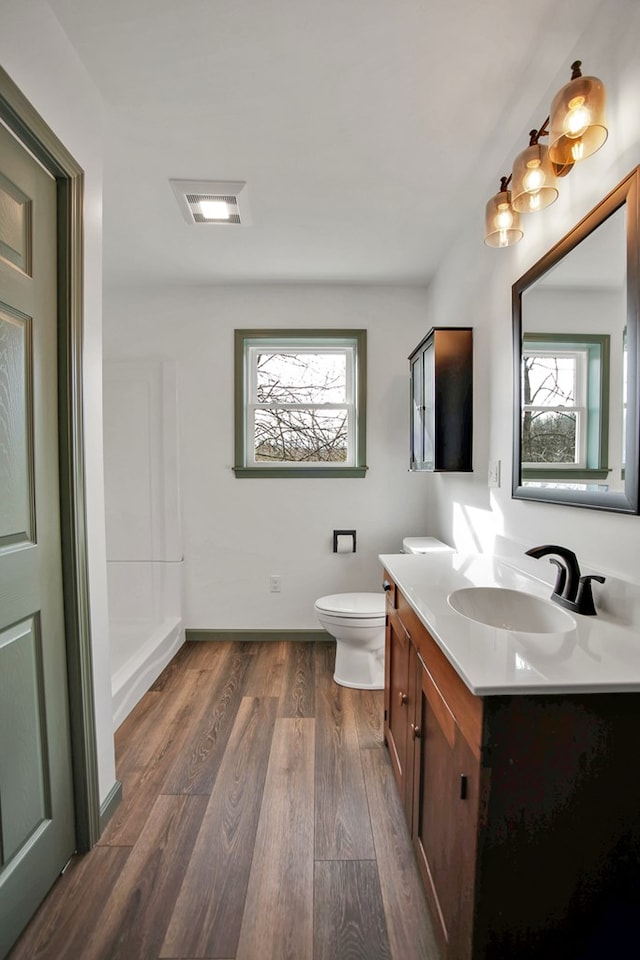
(474, 286)
(38, 57)
(237, 532)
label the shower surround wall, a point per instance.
(144, 551)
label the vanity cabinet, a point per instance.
(524, 809)
(441, 383)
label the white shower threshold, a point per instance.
(140, 650)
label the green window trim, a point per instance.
(598, 347)
(242, 338)
(290, 472)
(564, 473)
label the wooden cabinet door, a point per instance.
(445, 821)
(400, 703)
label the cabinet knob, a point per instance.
(403, 698)
(415, 731)
(386, 585)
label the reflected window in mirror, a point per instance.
(565, 410)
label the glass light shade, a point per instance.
(577, 122)
(502, 222)
(533, 181)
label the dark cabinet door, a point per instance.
(401, 704)
(417, 437)
(441, 382)
(445, 795)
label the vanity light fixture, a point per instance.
(533, 181)
(578, 125)
(502, 221)
(576, 128)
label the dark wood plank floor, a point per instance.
(260, 821)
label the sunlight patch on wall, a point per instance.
(474, 529)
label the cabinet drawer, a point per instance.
(464, 705)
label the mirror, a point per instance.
(576, 333)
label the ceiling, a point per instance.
(369, 132)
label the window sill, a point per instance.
(537, 473)
(298, 472)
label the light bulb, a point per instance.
(534, 177)
(504, 217)
(214, 209)
(577, 151)
(577, 119)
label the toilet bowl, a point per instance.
(357, 621)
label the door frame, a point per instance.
(32, 131)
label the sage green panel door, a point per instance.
(36, 801)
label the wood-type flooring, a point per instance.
(260, 821)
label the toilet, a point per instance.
(357, 621)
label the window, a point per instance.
(554, 407)
(564, 407)
(300, 403)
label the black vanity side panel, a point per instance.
(558, 873)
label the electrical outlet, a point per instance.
(493, 477)
(274, 583)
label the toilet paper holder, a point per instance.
(344, 533)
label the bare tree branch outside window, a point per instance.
(549, 425)
(301, 412)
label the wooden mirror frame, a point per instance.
(626, 194)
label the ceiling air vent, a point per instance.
(212, 201)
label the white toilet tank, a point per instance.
(425, 545)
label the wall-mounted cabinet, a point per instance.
(441, 369)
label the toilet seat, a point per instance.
(356, 606)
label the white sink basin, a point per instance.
(510, 610)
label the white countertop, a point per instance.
(601, 654)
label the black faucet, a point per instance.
(571, 590)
